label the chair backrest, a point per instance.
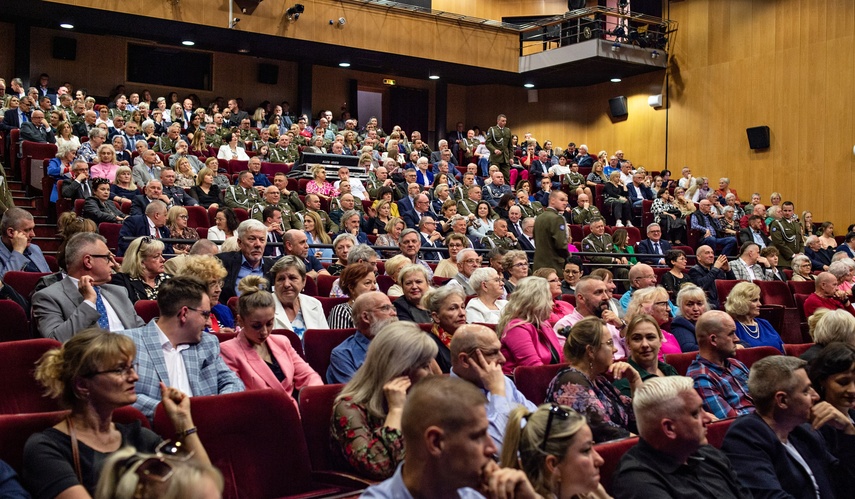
(255, 438)
(20, 392)
(800, 304)
(723, 288)
(680, 361)
(796, 349)
(329, 303)
(612, 452)
(775, 293)
(749, 356)
(110, 231)
(316, 408)
(15, 429)
(716, 431)
(325, 284)
(293, 338)
(197, 216)
(532, 381)
(241, 214)
(775, 315)
(78, 206)
(17, 324)
(801, 287)
(223, 337)
(385, 282)
(440, 281)
(53, 263)
(23, 282)
(571, 299)
(311, 287)
(147, 309)
(318, 344)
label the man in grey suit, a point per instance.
(84, 299)
(174, 350)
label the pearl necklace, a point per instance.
(755, 334)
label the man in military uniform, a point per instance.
(222, 124)
(243, 195)
(313, 204)
(65, 105)
(600, 242)
(500, 238)
(528, 208)
(212, 138)
(498, 188)
(272, 197)
(166, 143)
(283, 151)
(786, 235)
(247, 133)
(468, 146)
(550, 234)
(121, 109)
(585, 211)
(263, 139)
(461, 190)
(469, 207)
(377, 179)
(499, 144)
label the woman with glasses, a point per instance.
(142, 269)
(366, 422)
(98, 207)
(487, 305)
(554, 446)
(263, 360)
(560, 308)
(176, 221)
(209, 269)
(584, 387)
(643, 341)
(743, 304)
(414, 282)
(515, 264)
(93, 374)
(692, 303)
(802, 268)
(654, 302)
(527, 337)
(447, 267)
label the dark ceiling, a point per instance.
(49, 15)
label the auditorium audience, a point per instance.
(415, 283)
(447, 313)
(526, 334)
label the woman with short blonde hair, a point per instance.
(743, 304)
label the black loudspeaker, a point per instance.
(617, 106)
(758, 137)
(268, 73)
(64, 48)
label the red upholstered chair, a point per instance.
(533, 381)
(681, 361)
(238, 165)
(111, 232)
(633, 235)
(15, 429)
(17, 325)
(23, 282)
(688, 250)
(775, 293)
(440, 281)
(33, 156)
(256, 440)
(233, 305)
(571, 299)
(202, 231)
(147, 309)
(221, 337)
(316, 406)
(241, 214)
(20, 392)
(328, 303)
(52, 262)
(801, 287)
(385, 282)
(611, 452)
(795, 350)
(800, 304)
(78, 206)
(197, 217)
(749, 356)
(318, 344)
(716, 431)
(311, 287)
(576, 233)
(293, 338)
(775, 315)
(646, 214)
(723, 287)
(325, 284)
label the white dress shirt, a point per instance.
(175, 363)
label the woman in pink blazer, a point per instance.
(524, 329)
(260, 359)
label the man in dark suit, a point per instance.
(539, 168)
(43, 88)
(82, 127)
(152, 224)
(249, 259)
(515, 221)
(84, 299)
(78, 187)
(13, 118)
(526, 238)
(431, 238)
(638, 192)
(237, 115)
(36, 130)
(455, 140)
(420, 210)
(754, 233)
(153, 192)
(654, 244)
(272, 216)
(407, 203)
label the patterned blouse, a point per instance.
(325, 189)
(187, 233)
(185, 181)
(659, 207)
(373, 449)
(608, 412)
(341, 316)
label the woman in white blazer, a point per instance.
(294, 310)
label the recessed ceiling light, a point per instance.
(243, 51)
(615, 80)
(344, 64)
(66, 26)
(529, 85)
(433, 77)
(188, 43)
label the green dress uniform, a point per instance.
(460, 192)
(583, 216)
(213, 140)
(238, 197)
(284, 154)
(532, 210)
(290, 220)
(500, 139)
(574, 180)
(469, 147)
(786, 235)
(164, 144)
(256, 144)
(124, 114)
(467, 206)
(494, 241)
(599, 244)
(550, 241)
(248, 135)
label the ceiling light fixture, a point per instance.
(433, 77)
(529, 85)
(66, 26)
(615, 80)
(188, 43)
(344, 64)
(243, 51)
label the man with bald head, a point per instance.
(476, 357)
(37, 130)
(708, 270)
(592, 300)
(827, 296)
(296, 243)
(421, 208)
(584, 211)
(641, 276)
(153, 192)
(371, 312)
(720, 379)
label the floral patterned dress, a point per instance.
(187, 233)
(609, 413)
(324, 189)
(370, 447)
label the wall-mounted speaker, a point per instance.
(268, 73)
(758, 137)
(617, 107)
(64, 48)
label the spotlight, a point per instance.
(234, 22)
(615, 80)
(293, 13)
(528, 85)
(342, 21)
(188, 43)
(66, 26)
(344, 64)
(616, 47)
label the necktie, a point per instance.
(86, 193)
(24, 118)
(656, 249)
(103, 321)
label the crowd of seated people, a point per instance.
(437, 211)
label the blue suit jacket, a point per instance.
(206, 370)
(137, 226)
(405, 205)
(10, 260)
(643, 192)
(646, 246)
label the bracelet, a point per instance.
(186, 433)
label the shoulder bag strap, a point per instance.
(75, 452)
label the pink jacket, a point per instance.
(253, 371)
(104, 170)
(525, 345)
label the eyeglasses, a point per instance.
(386, 308)
(554, 411)
(666, 302)
(521, 264)
(204, 313)
(124, 371)
(183, 217)
(105, 257)
(473, 260)
(216, 284)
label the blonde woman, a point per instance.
(129, 474)
(743, 304)
(176, 221)
(393, 268)
(526, 334)
(319, 185)
(447, 267)
(106, 166)
(654, 301)
(142, 269)
(185, 177)
(313, 227)
(393, 232)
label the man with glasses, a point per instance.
(78, 187)
(372, 311)
(641, 276)
(36, 130)
(467, 261)
(431, 238)
(421, 209)
(476, 357)
(151, 224)
(84, 299)
(172, 349)
(655, 245)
